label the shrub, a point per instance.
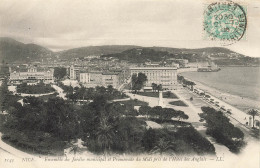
(178, 103)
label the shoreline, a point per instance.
(242, 103)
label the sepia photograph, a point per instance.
(129, 83)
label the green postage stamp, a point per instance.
(225, 21)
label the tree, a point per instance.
(130, 132)
(192, 84)
(147, 141)
(138, 81)
(110, 89)
(168, 94)
(144, 110)
(105, 136)
(180, 78)
(163, 146)
(154, 86)
(159, 87)
(253, 113)
(59, 72)
(4, 94)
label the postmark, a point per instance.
(225, 22)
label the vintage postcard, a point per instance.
(129, 83)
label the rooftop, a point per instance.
(153, 68)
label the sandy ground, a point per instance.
(239, 102)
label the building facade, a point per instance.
(110, 78)
(74, 72)
(98, 78)
(166, 76)
(31, 75)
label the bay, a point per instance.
(240, 81)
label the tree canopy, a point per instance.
(219, 127)
(138, 81)
(59, 72)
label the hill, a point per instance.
(94, 50)
(221, 56)
(14, 51)
(210, 50)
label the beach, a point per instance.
(242, 103)
(237, 86)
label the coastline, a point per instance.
(242, 103)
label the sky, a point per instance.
(64, 24)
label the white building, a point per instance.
(75, 72)
(166, 76)
(110, 78)
(97, 78)
(31, 74)
(84, 77)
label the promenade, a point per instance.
(192, 110)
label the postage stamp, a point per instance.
(225, 22)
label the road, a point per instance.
(60, 91)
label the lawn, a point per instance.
(178, 103)
(133, 103)
(156, 94)
(35, 89)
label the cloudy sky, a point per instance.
(64, 24)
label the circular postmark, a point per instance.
(225, 21)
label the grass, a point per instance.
(178, 103)
(134, 102)
(156, 94)
(35, 89)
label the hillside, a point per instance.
(14, 51)
(141, 55)
(221, 56)
(94, 50)
(208, 50)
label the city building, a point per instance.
(98, 78)
(74, 72)
(166, 76)
(31, 75)
(84, 77)
(90, 79)
(110, 78)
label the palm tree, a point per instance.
(110, 89)
(105, 135)
(253, 113)
(192, 84)
(159, 87)
(163, 146)
(154, 86)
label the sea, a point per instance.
(240, 81)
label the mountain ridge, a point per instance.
(12, 50)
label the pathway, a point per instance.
(192, 111)
(60, 91)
